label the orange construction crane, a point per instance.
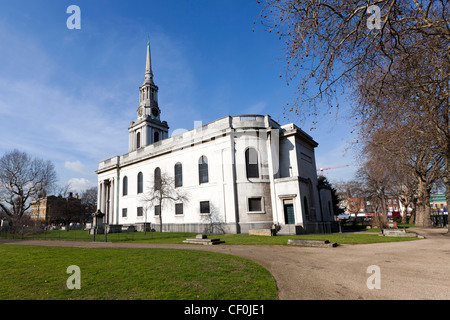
(328, 168)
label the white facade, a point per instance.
(258, 174)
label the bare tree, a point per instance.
(330, 43)
(162, 192)
(416, 99)
(22, 178)
(351, 196)
(398, 68)
(89, 200)
(405, 190)
(396, 159)
(375, 175)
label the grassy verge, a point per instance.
(120, 274)
(340, 238)
(230, 239)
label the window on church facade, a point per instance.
(255, 204)
(178, 208)
(138, 140)
(124, 212)
(140, 211)
(178, 175)
(140, 183)
(203, 170)
(158, 179)
(125, 186)
(204, 207)
(157, 210)
(156, 137)
(251, 163)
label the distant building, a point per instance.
(362, 207)
(47, 208)
(40, 208)
(245, 172)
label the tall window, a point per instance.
(203, 169)
(156, 137)
(157, 210)
(125, 186)
(140, 183)
(158, 179)
(251, 163)
(204, 207)
(138, 140)
(178, 208)
(140, 211)
(178, 175)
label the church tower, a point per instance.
(148, 128)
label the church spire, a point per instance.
(148, 91)
(148, 65)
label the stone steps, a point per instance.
(203, 239)
(312, 243)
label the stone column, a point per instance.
(99, 196)
(103, 207)
(110, 219)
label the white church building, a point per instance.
(240, 173)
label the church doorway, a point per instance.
(289, 217)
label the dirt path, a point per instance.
(408, 270)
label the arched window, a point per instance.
(157, 179)
(203, 170)
(125, 186)
(138, 140)
(251, 163)
(156, 137)
(178, 175)
(140, 183)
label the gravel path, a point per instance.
(408, 270)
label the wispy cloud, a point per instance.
(75, 166)
(80, 184)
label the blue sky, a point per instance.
(69, 95)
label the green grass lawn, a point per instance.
(158, 274)
(178, 237)
(28, 272)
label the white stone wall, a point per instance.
(285, 161)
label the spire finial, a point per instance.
(148, 65)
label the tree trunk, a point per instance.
(404, 212)
(423, 210)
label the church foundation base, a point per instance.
(242, 228)
(215, 228)
(307, 228)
